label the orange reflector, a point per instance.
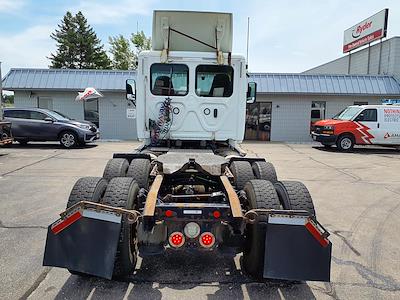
(216, 214)
(169, 213)
(207, 239)
(316, 234)
(176, 239)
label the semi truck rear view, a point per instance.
(190, 186)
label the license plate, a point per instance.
(314, 137)
(97, 135)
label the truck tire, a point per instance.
(87, 189)
(260, 194)
(116, 167)
(264, 170)
(242, 173)
(345, 142)
(139, 169)
(122, 192)
(294, 195)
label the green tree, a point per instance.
(78, 46)
(141, 42)
(122, 56)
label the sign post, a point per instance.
(367, 31)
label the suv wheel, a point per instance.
(68, 139)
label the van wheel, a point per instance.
(68, 139)
(345, 143)
(122, 192)
(260, 194)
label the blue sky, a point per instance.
(286, 35)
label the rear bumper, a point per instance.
(324, 138)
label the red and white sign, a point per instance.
(365, 32)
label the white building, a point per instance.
(282, 111)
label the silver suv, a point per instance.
(36, 124)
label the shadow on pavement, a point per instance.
(183, 271)
(47, 146)
(361, 150)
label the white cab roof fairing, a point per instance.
(204, 26)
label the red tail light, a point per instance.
(169, 213)
(216, 214)
(176, 239)
(207, 239)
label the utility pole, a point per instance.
(248, 34)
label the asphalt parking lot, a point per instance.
(357, 198)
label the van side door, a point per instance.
(368, 128)
(390, 124)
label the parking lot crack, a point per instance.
(36, 284)
(373, 279)
(31, 164)
(21, 226)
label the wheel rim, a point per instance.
(346, 143)
(68, 139)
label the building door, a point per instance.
(258, 121)
(91, 110)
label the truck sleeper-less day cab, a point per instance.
(190, 186)
(360, 125)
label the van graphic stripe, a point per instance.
(364, 134)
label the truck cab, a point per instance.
(360, 125)
(186, 90)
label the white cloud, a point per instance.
(28, 48)
(11, 5)
(113, 12)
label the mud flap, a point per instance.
(85, 241)
(295, 249)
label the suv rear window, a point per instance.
(18, 114)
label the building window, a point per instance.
(258, 121)
(91, 109)
(214, 81)
(169, 79)
(360, 102)
(45, 102)
(317, 111)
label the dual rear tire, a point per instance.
(263, 194)
(119, 192)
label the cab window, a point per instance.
(214, 81)
(169, 79)
(368, 115)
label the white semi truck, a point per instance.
(190, 186)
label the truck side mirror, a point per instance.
(131, 90)
(251, 92)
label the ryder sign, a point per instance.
(365, 32)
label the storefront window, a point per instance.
(317, 111)
(258, 121)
